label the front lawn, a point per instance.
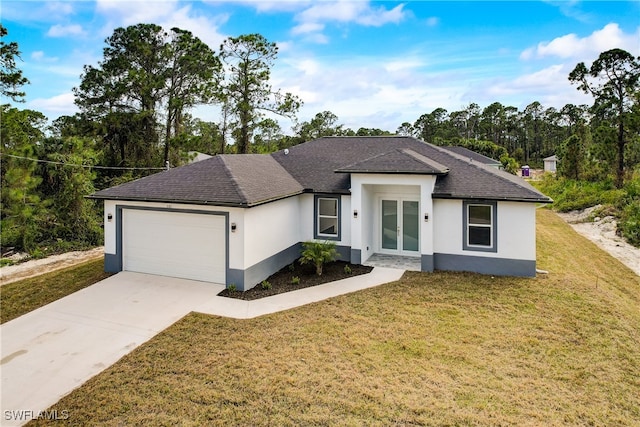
(430, 349)
(21, 297)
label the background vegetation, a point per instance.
(135, 120)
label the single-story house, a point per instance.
(550, 163)
(236, 219)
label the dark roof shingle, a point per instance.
(230, 180)
(398, 161)
(248, 180)
(470, 154)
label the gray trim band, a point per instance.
(250, 277)
(485, 265)
(426, 263)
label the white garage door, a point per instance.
(186, 245)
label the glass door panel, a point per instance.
(390, 224)
(410, 226)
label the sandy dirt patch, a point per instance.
(35, 267)
(602, 231)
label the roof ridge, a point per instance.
(370, 158)
(426, 160)
(233, 178)
(490, 170)
(453, 148)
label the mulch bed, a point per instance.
(282, 281)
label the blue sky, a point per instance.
(373, 64)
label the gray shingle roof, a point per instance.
(260, 178)
(463, 151)
(398, 161)
(311, 164)
(227, 180)
(248, 180)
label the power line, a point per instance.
(76, 165)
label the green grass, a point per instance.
(430, 349)
(21, 297)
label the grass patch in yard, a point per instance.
(430, 349)
(26, 295)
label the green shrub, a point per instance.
(265, 284)
(231, 287)
(37, 253)
(295, 280)
(4, 262)
(569, 194)
(629, 223)
(347, 269)
(318, 253)
(622, 203)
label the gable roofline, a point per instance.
(251, 185)
(397, 161)
(472, 155)
(536, 196)
(215, 181)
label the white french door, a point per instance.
(399, 226)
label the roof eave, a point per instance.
(496, 198)
(273, 199)
(395, 172)
(167, 200)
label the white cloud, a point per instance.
(124, 13)
(32, 11)
(366, 91)
(60, 8)
(572, 46)
(403, 64)
(432, 21)
(546, 77)
(65, 30)
(203, 27)
(350, 11)
(268, 6)
(39, 56)
(55, 106)
(167, 14)
(550, 86)
(314, 18)
(307, 27)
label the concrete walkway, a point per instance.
(52, 350)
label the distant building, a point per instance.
(550, 164)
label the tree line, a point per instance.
(135, 118)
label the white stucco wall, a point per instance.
(516, 230)
(270, 228)
(261, 231)
(367, 191)
(306, 217)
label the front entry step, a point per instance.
(394, 261)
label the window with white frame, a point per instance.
(480, 226)
(327, 217)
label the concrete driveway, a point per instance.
(50, 351)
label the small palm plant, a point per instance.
(318, 253)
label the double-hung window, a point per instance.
(327, 210)
(480, 232)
